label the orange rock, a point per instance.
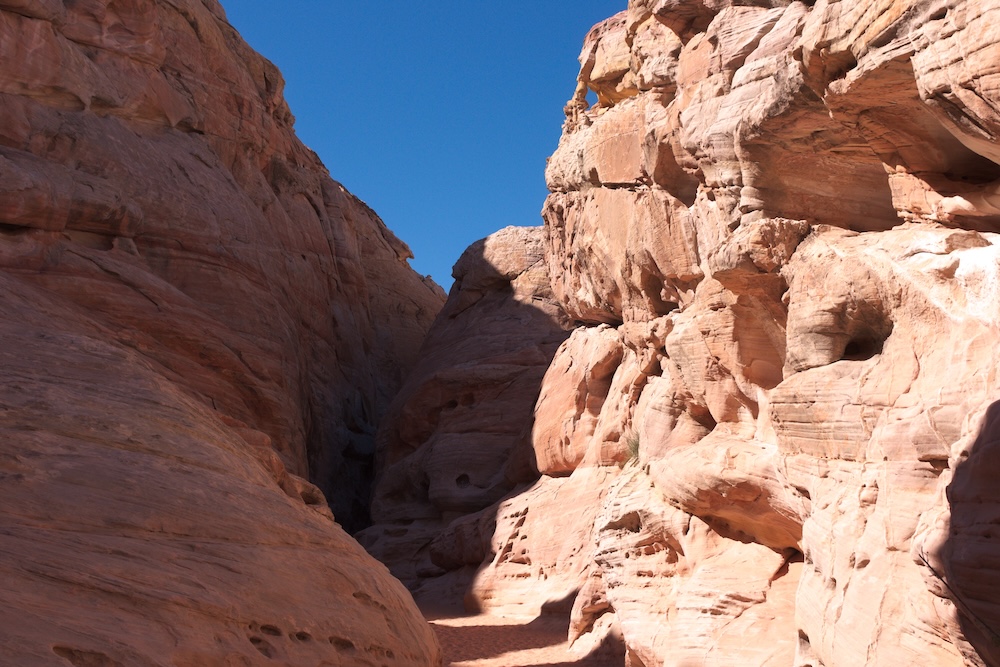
(457, 437)
(769, 439)
(196, 319)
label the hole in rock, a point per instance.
(189, 125)
(630, 522)
(262, 646)
(341, 644)
(302, 636)
(862, 349)
(270, 630)
(462, 481)
(81, 658)
(312, 496)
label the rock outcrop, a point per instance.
(197, 322)
(768, 441)
(456, 440)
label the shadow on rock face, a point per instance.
(456, 438)
(971, 554)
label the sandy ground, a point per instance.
(500, 641)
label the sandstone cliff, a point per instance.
(197, 320)
(768, 439)
(457, 437)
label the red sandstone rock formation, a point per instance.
(196, 319)
(768, 442)
(457, 438)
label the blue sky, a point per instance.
(439, 115)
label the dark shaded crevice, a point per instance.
(862, 349)
(972, 548)
(7, 229)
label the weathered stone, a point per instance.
(575, 386)
(776, 231)
(200, 332)
(456, 439)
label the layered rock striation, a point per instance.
(200, 331)
(456, 439)
(768, 440)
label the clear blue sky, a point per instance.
(437, 114)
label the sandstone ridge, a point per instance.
(201, 330)
(767, 439)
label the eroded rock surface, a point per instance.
(197, 320)
(457, 437)
(768, 441)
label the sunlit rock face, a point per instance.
(196, 321)
(767, 440)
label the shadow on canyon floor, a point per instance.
(496, 641)
(457, 441)
(464, 640)
(971, 554)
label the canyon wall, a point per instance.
(457, 437)
(201, 330)
(768, 438)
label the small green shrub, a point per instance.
(632, 443)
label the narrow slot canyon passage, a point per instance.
(734, 402)
(456, 443)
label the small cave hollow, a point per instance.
(862, 348)
(866, 341)
(868, 325)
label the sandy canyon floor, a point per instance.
(485, 640)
